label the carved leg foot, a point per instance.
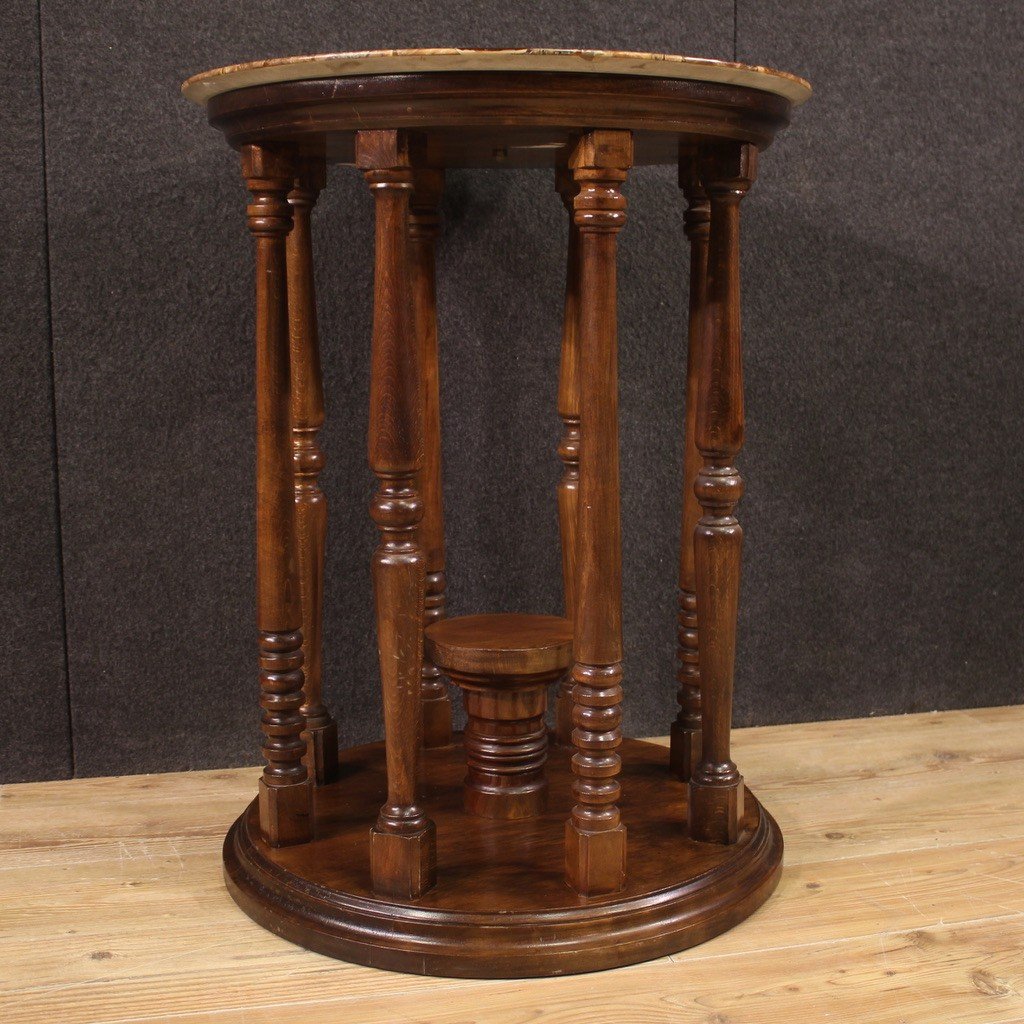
(322, 753)
(286, 813)
(716, 809)
(595, 862)
(403, 865)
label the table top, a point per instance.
(496, 108)
(201, 88)
(903, 889)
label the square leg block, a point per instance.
(715, 812)
(403, 866)
(684, 752)
(286, 813)
(595, 862)
(321, 758)
(437, 721)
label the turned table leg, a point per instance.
(595, 838)
(685, 748)
(424, 226)
(402, 842)
(569, 444)
(307, 405)
(716, 787)
(285, 789)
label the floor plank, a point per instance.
(969, 974)
(902, 900)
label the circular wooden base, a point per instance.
(501, 908)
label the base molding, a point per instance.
(500, 907)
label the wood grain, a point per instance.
(595, 838)
(569, 442)
(503, 664)
(716, 786)
(500, 883)
(496, 118)
(285, 788)
(295, 126)
(402, 850)
(112, 905)
(685, 752)
(424, 227)
(307, 401)
(508, 643)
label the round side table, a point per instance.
(508, 854)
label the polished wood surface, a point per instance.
(403, 131)
(499, 118)
(504, 644)
(200, 88)
(504, 665)
(506, 741)
(902, 898)
(686, 729)
(285, 791)
(569, 443)
(595, 838)
(499, 883)
(307, 411)
(402, 851)
(716, 786)
(424, 227)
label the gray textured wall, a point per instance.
(883, 296)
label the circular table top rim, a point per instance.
(203, 87)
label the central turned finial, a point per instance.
(504, 665)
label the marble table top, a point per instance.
(200, 88)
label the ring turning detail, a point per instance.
(520, 846)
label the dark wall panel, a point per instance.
(33, 684)
(151, 305)
(885, 381)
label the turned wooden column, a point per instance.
(424, 227)
(569, 444)
(684, 754)
(595, 838)
(285, 789)
(716, 787)
(307, 405)
(504, 665)
(402, 841)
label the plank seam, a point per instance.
(55, 446)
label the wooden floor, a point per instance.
(902, 900)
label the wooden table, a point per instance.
(902, 900)
(499, 854)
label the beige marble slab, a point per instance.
(200, 88)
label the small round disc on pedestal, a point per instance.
(501, 908)
(506, 644)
